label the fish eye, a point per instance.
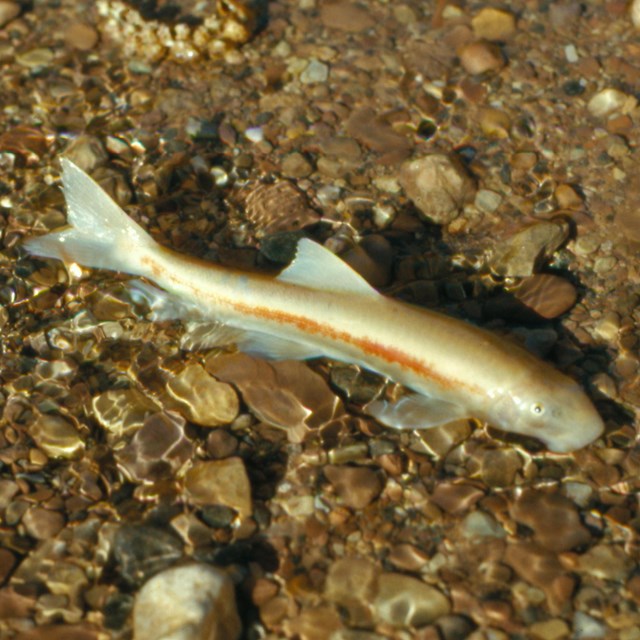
(537, 408)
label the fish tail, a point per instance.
(100, 233)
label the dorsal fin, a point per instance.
(316, 267)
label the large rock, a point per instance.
(194, 602)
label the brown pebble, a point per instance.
(547, 295)
(493, 24)
(356, 486)
(295, 165)
(8, 11)
(81, 36)
(42, 524)
(567, 197)
(481, 56)
(220, 482)
(553, 518)
(456, 498)
(438, 185)
(346, 16)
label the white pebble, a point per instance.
(193, 602)
(634, 12)
(609, 101)
(315, 71)
(571, 53)
(254, 134)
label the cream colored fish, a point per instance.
(318, 306)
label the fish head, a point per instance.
(552, 408)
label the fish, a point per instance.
(318, 306)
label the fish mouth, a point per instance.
(582, 437)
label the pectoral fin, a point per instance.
(415, 411)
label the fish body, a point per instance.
(318, 306)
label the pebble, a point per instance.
(122, 411)
(479, 524)
(481, 57)
(35, 59)
(295, 165)
(493, 24)
(56, 436)
(609, 101)
(315, 71)
(157, 450)
(555, 629)
(375, 132)
(456, 499)
(487, 201)
(357, 487)
(87, 152)
(606, 562)
(634, 12)
(42, 524)
(526, 250)
(403, 601)
(220, 482)
(81, 36)
(438, 185)
(587, 627)
(8, 11)
(193, 602)
(345, 16)
(499, 467)
(352, 583)
(554, 519)
(495, 123)
(203, 399)
(140, 551)
(547, 295)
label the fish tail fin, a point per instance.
(100, 234)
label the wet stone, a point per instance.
(478, 525)
(606, 562)
(525, 251)
(481, 57)
(547, 295)
(499, 467)
(357, 487)
(81, 36)
(403, 601)
(346, 16)
(556, 629)
(295, 165)
(141, 551)
(193, 602)
(609, 101)
(56, 436)
(122, 411)
(553, 518)
(204, 400)
(42, 524)
(223, 482)
(315, 71)
(8, 11)
(493, 24)
(157, 450)
(456, 498)
(438, 185)
(352, 582)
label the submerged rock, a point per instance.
(195, 602)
